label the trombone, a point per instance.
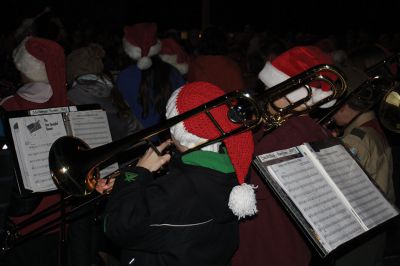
(385, 67)
(389, 109)
(376, 83)
(75, 167)
(389, 106)
(383, 85)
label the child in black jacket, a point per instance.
(186, 217)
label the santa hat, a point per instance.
(140, 42)
(199, 128)
(293, 62)
(42, 60)
(173, 54)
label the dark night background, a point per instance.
(313, 16)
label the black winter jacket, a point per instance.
(181, 218)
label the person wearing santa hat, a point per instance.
(41, 63)
(149, 81)
(270, 237)
(173, 54)
(189, 216)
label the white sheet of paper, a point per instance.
(92, 127)
(33, 137)
(366, 200)
(333, 222)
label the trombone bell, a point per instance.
(64, 175)
(389, 110)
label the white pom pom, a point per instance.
(242, 200)
(144, 63)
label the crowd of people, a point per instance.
(212, 207)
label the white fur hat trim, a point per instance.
(172, 60)
(155, 49)
(272, 76)
(30, 66)
(180, 133)
(135, 52)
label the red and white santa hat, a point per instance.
(42, 60)
(173, 54)
(140, 42)
(199, 128)
(293, 62)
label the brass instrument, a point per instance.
(376, 87)
(389, 109)
(275, 116)
(385, 67)
(380, 90)
(75, 168)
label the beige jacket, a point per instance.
(373, 152)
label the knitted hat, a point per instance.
(172, 53)
(43, 60)
(140, 42)
(199, 128)
(85, 60)
(293, 62)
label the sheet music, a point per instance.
(366, 200)
(331, 219)
(33, 137)
(326, 190)
(92, 127)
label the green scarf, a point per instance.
(208, 159)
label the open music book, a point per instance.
(326, 191)
(34, 131)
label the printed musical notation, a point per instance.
(370, 206)
(315, 197)
(33, 136)
(329, 189)
(92, 127)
